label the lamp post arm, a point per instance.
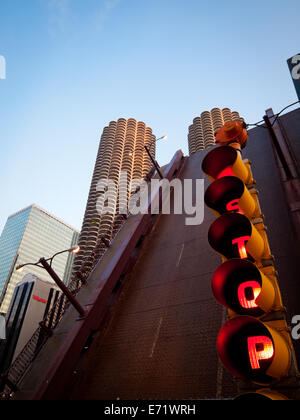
(60, 252)
(26, 265)
(157, 167)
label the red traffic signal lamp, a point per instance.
(251, 350)
(226, 161)
(241, 287)
(229, 194)
(233, 236)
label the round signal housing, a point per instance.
(232, 235)
(226, 161)
(229, 194)
(240, 286)
(253, 351)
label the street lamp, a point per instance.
(162, 138)
(74, 250)
(47, 265)
(154, 162)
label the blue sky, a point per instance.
(75, 65)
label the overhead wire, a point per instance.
(276, 117)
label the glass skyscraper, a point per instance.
(28, 235)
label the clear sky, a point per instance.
(75, 65)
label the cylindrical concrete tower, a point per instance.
(202, 131)
(121, 150)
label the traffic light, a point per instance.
(229, 194)
(233, 236)
(253, 351)
(240, 286)
(227, 161)
(254, 344)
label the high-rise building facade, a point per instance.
(27, 236)
(202, 131)
(31, 302)
(121, 150)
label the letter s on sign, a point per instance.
(296, 68)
